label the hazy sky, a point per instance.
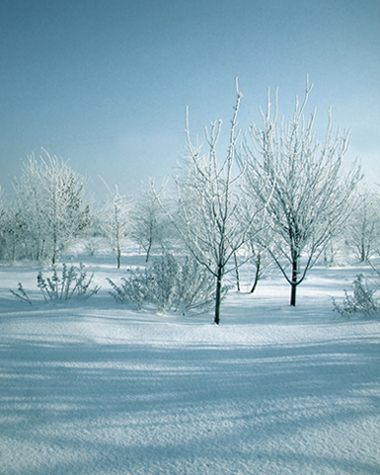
(106, 82)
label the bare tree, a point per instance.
(257, 227)
(13, 233)
(260, 260)
(364, 226)
(50, 199)
(31, 197)
(208, 204)
(311, 192)
(3, 220)
(148, 223)
(115, 221)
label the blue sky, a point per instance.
(106, 82)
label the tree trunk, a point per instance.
(14, 251)
(118, 257)
(257, 274)
(237, 273)
(294, 283)
(54, 257)
(218, 296)
(148, 251)
(363, 256)
(293, 295)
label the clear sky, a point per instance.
(106, 82)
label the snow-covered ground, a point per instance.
(97, 388)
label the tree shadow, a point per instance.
(83, 407)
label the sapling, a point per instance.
(208, 205)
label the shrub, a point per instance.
(361, 301)
(21, 294)
(168, 283)
(71, 281)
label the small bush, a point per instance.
(168, 283)
(71, 281)
(361, 301)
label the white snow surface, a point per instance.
(98, 388)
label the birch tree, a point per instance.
(310, 189)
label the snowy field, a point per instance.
(96, 388)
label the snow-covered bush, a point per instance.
(71, 282)
(62, 285)
(168, 282)
(361, 302)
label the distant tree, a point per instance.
(207, 217)
(115, 221)
(363, 227)
(148, 223)
(334, 247)
(260, 260)
(310, 192)
(258, 233)
(32, 196)
(3, 220)
(50, 198)
(13, 233)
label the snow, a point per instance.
(98, 388)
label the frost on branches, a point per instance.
(208, 205)
(168, 282)
(363, 228)
(362, 301)
(310, 193)
(115, 222)
(149, 227)
(50, 208)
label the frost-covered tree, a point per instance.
(3, 220)
(11, 229)
(207, 217)
(13, 234)
(258, 235)
(363, 229)
(148, 222)
(115, 221)
(310, 191)
(50, 197)
(260, 259)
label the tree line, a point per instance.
(278, 193)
